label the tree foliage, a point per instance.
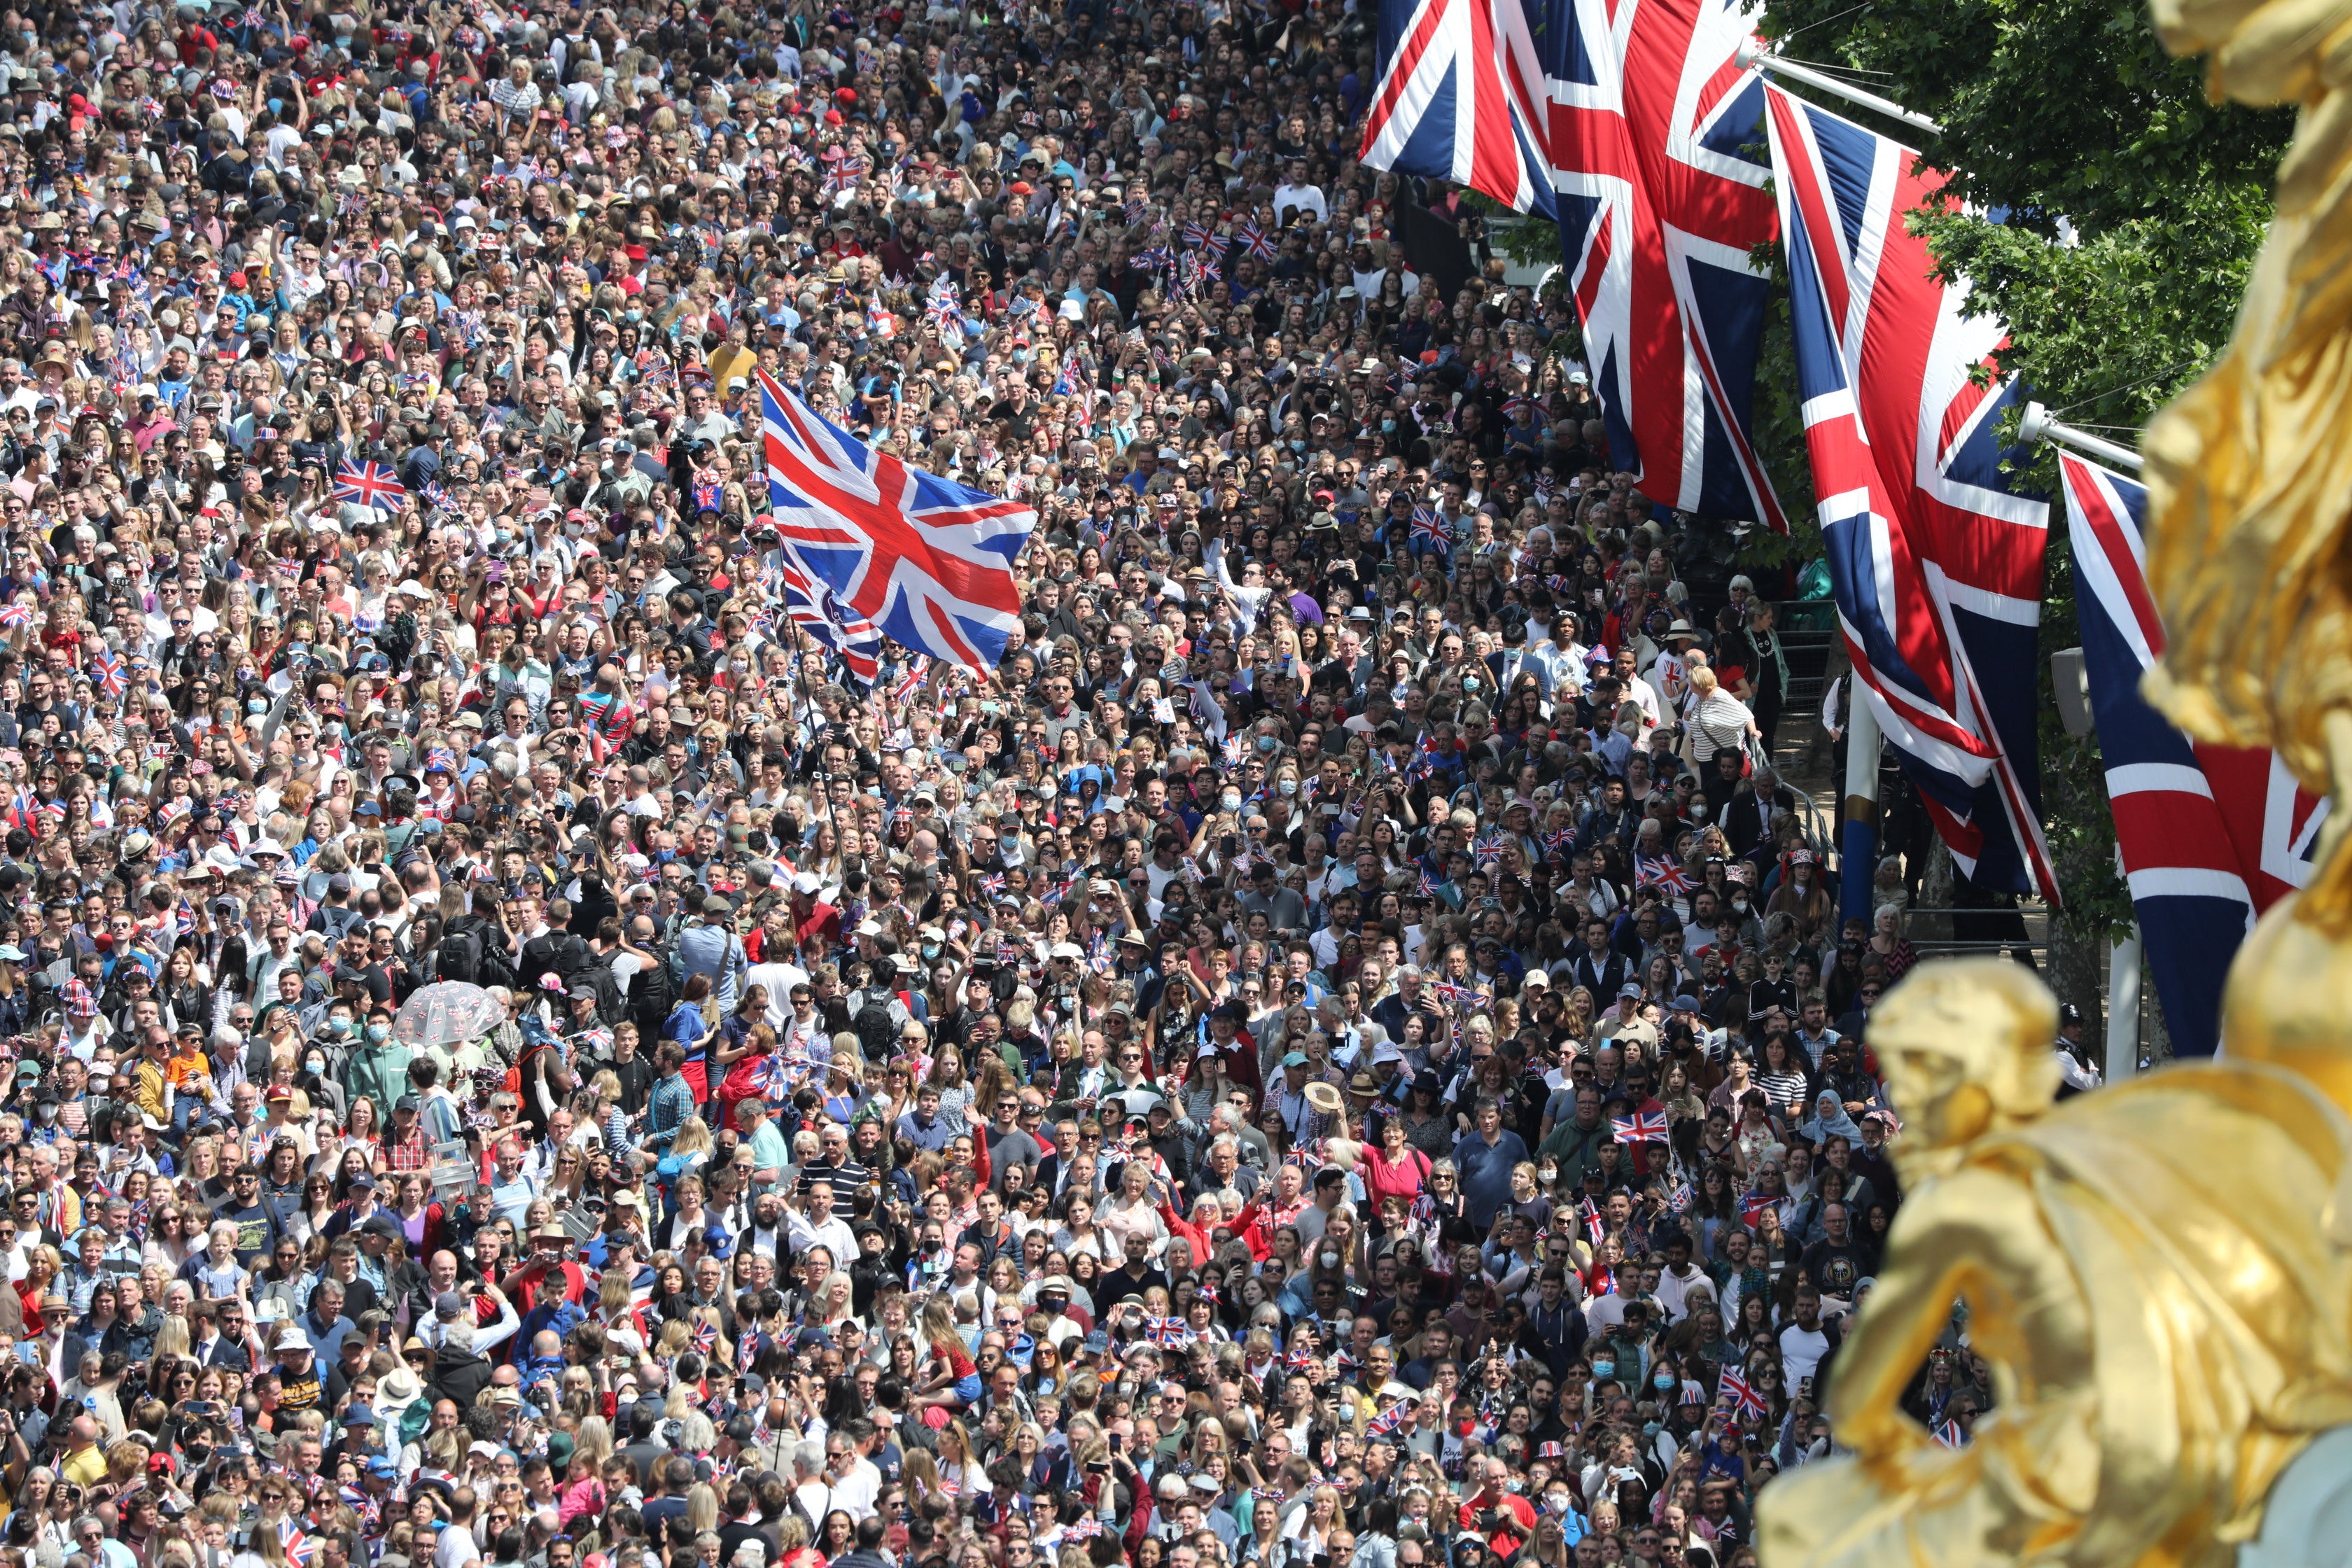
(2112, 215)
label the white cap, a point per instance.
(806, 882)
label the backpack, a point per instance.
(559, 953)
(877, 1031)
(597, 971)
(653, 996)
(459, 957)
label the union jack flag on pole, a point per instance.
(1458, 97)
(371, 485)
(1431, 531)
(1936, 563)
(109, 671)
(923, 560)
(2211, 836)
(1652, 125)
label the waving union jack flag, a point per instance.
(1459, 97)
(107, 672)
(15, 615)
(1430, 532)
(1734, 1391)
(371, 485)
(1950, 1434)
(1936, 564)
(1389, 1422)
(299, 1548)
(1642, 1127)
(1661, 871)
(921, 559)
(1169, 1333)
(1256, 240)
(1651, 122)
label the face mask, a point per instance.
(1662, 1380)
(255, 707)
(48, 1112)
(1740, 906)
(1698, 812)
(338, 1027)
(378, 1033)
(1331, 1260)
(1290, 786)
(315, 1064)
(1266, 743)
(1555, 1504)
(1601, 1369)
(1299, 446)
(1470, 688)
(1229, 800)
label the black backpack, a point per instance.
(467, 953)
(653, 995)
(596, 970)
(877, 1031)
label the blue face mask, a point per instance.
(378, 1033)
(1604, 1369)
(1387, 426)
(1662, 1380)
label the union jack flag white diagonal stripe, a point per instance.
(1458, 97)
(2211, 836)
(921, 559)
(1652, 125)
(1936, 563)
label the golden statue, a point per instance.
(2163, 1340)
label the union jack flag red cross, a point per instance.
(371, 485)
(921, 559)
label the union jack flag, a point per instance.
(1152, 258)
(1642, 1127)
(1256, 240)
(1169, 1333)
(1949, 1434)
(1458, 97)
(1195, 235)
(943, 305)
(1661, 871)
(1136, 210)
(1086, 1527)
(1650, 123)
(109, 673)
(921, 559)
(1389, 1422)
(1431, 531)
(706, 1337)
(1936, 564)
(771, 1076)
(1735, 1393)
(1752, 1206)
(15, 615)
(812, 606)
(747, 1350)
(910, 681)
(299, 1548)
(371, 485)
(436, 495)
(2211, 836)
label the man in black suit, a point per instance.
(1752, 805)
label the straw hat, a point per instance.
(1325, 1097)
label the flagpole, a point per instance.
(1755, 52)
(1858, 840)
(2123, 1000)
(2037, 425)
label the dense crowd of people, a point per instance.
(1333, 1049)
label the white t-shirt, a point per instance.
(1801, 1350)
(456, 1549)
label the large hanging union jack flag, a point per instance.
(1457, 97)
(1654, 132)
(921, 559)
(1936, 563)
(2211, 836)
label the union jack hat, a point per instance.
(77, 999)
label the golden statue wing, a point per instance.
(2250, 472)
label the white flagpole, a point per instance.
(2037, 425)
(1754, 52)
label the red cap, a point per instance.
(636, 253)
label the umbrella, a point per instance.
(447, 1013)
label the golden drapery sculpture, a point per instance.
(2160, 1273)
(2165, 1335)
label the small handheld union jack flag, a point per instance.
(1661, 871)
(1389, 1422)
(299, 1548)
(1254, 240)
(371, 485)
(1169, 1332)
(1642, 1127)
(1430, 532)
(1735, 1393)
(1194, 236)
(1950, 1434)
(108, 673)
(14, 616)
